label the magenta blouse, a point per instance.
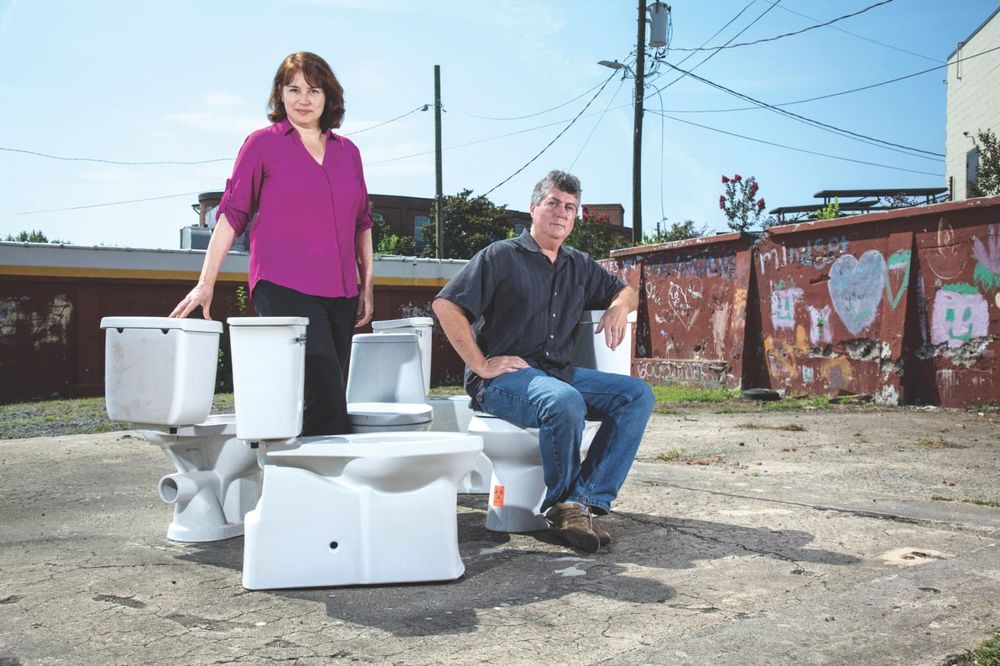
(307, 214)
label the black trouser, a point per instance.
(328, 344)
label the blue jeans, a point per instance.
(529, 398)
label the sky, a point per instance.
(187, 80)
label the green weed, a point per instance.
(671, 393)
(670, 455)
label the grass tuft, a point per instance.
(671, 393)
(669, 456)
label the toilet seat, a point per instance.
(389, 414)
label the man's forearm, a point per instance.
(459, 333)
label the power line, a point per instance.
(802, 150)
(422, 107)
(532, 115)
(101, 205)
(117, 162)
(97, 160)
(717, 49)
(598, 123)
(867, 39)
(836, 94)
(816, 123)
(796, 32)
(556, 138)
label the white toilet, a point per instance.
(355, 509)
(453, 414)
(386, 390)
(160, 375)
(517, 486)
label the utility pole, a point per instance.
(438, 191)
(640, 69)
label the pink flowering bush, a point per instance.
(739, 202)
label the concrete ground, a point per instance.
(780, 538)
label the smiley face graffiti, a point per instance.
(960, 314)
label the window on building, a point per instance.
(419, 222)
(518, 228)
(971, 169)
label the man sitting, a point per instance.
(525, 296)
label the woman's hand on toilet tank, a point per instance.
(499, 365)
(200, 295)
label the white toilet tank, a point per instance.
(385, 367)
(423, 328)
(591, 351)
(160, 371)
(269, 355)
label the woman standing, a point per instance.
(311, 240)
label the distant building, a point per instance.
(973, 103)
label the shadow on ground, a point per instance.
(518, 569)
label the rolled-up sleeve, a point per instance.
(364, 218)
(239, 201)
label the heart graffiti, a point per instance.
(681, 300)
(856, 287)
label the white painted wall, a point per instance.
(973, 98)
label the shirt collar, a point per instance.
(285, 127)
(526, 241)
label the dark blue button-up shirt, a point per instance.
(522, 304)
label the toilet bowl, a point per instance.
(453, 414)
(160, 375)
(386, 391)
(517, 486)
(355, 509)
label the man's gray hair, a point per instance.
(558, 180)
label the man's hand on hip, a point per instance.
(500, 365)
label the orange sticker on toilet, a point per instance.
(497, 497)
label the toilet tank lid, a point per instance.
(594, 316)
(163, 323)
(268, 321)
(384, 338)
(388, 324)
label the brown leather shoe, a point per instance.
(602, 534)
(574, 524)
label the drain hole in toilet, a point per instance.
(333, 545)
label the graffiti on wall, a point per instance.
(45, 325)
(855, 287)
(697, 372)
(720, 324)
(897, 276)
(959, 314)
(685, 300)
(819, 326)
(816, 253)
(948, 259)
(987, 254)
(783, 300)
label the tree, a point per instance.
(593, 234)
(740, 203)
(470, 224)
(677, 231)
(32, 236)
(988, 172)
